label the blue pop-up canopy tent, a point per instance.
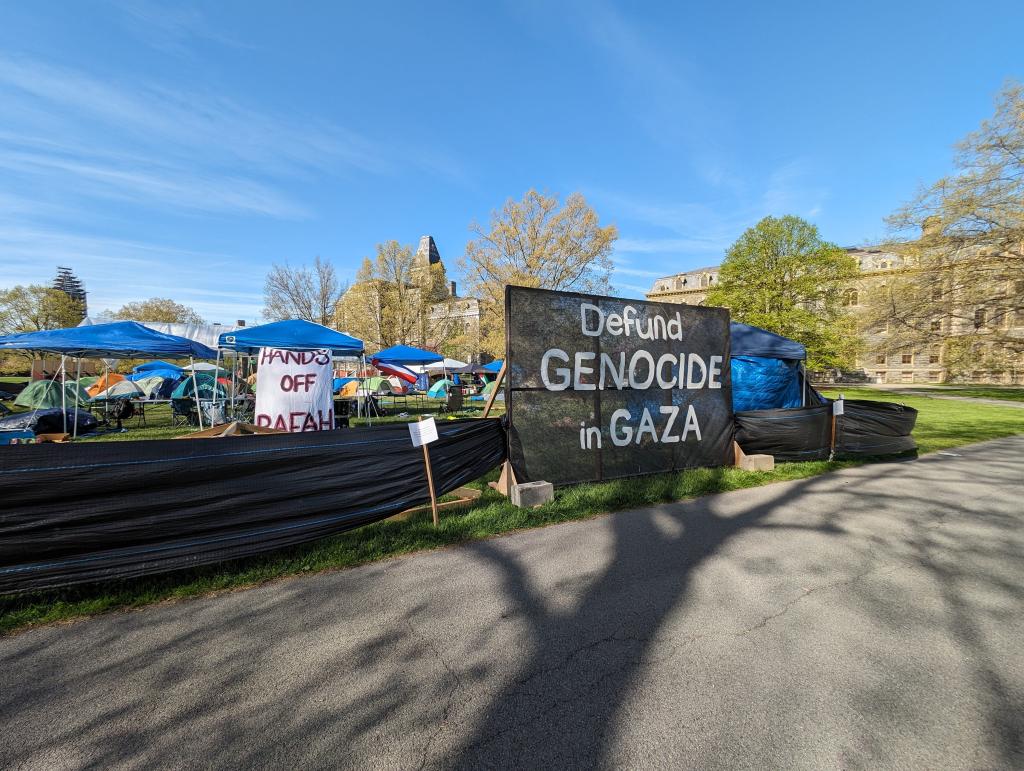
(494, 366)
(406, 354)
(116, 340)
(290, 335)
(766, 369)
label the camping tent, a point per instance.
(440, 389)
(156, 366)
(766, 369)
(291, 335)
(162, 369)
(46, 394)
(156, 386)
(209, 387)
(103, 382)
(122, 389)
(376, 385)
(406, 354)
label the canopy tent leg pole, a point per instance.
(78, 376)
(216, 380)
(234, 371)
(63, 396)
(195, 392)
(366, 394)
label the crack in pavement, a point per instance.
(425, 753)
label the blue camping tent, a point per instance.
(116, 340)
(158, 366)
(406, 354)
(163, 369)
(766, 370)
(291, 335)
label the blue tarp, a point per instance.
(746, 340)
(765, 369)
(494, 366)
(340, 382)
(760, 383)
(117, 340)
(406, 354)
(290, 335)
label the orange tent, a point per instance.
(103, 383)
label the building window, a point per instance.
(936, 326)
(933, 377)
(880, 376)
(880, 359)
(933, 358)
(907, 358)
(906, 377)
(937, 293)
(979, 318)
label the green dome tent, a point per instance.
(46, 394)
(440, 389)
(376, 385)
(209, 388)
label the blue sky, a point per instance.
(178, 149)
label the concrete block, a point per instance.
(757, 463)
(532, 494)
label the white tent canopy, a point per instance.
(446, 365)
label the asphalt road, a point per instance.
(864, 619)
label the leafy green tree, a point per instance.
(31, 309)
(780, 275)
(397, 298)
(158, 309)
(536, 242)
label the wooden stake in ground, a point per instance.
(494, 393)
(837, 409)
(423, 433)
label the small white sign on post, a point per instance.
(837, 407)
(423, 432)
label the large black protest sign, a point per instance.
(604, 387)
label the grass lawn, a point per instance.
(941, 424)
(1009, 393)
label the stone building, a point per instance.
(452, 322)
(880, 366)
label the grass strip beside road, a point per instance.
(942, 424)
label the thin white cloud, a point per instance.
(171, 27)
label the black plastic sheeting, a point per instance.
(798, 434)
(874, 428)
(49, 421)
(80, 513)
(866, 428)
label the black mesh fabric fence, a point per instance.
(80, 513)
(866, 428)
